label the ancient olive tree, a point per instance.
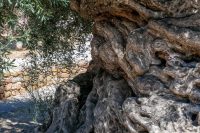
(145, 72)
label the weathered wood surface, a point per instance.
(146, 58)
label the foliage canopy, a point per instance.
(46, 27)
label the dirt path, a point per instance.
(16, 115)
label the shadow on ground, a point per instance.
(16, 116)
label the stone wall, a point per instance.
(18, 82)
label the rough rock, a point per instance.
(146, 67)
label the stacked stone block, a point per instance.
(18, 82)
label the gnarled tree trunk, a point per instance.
(145, 70)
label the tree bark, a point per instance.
(146, 69)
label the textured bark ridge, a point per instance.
(146, 58)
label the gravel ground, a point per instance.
(16, 113)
